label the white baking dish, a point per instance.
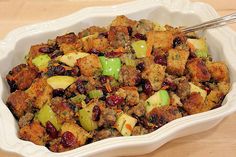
(222, 42)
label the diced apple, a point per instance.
(194, 88)
(125, 124)
(200, 47)
(158, 99)
(60, 81)
(41, 61)
(46, 114)
(85, 118)
(140, 48)
(70, 58)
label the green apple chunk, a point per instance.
(200, 46)
(158, 99)
(46, 114)
(194, 88)
(85, 118)
(110, 66)
(78, 98)
(95, 94)
(140, 48)
(125, 124)
(70, 58)
(41, 61)
(60, 81)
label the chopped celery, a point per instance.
(95, 94)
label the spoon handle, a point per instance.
(218, 22)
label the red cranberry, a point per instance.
(103, 79)
(105, 34)
(58, 92)
(177, 41)
(94, 51)
(51, 130)
(96, 113)
(147, 87)
(161, 60)
(56, 53)
(141, 66)
(45, 50)
(140, 36)
(130, 30)
(68, 139)
(59, 70)
(75, 71)
(114, 100)
(170, 83)
(81, 88)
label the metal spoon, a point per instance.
(218, 22)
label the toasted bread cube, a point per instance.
(89, 65)
(176, 61)
(130, 94)
(128, 75)
(19, 103)
(123, 21)
(33, 132)
(212, 100)
(218, 71)
(198, 70)
(40, 92)
(160, 40)
(162, 115)
(118, 36)
(155, 74)
(67, 38)
(91, 30)
(194, 103)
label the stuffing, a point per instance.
(176, 61)
(89, 65)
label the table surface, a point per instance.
(216, 142)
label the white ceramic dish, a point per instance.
(182, 12)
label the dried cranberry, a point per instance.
(13, 85)
(68, 73)
(130, 30)
(94, 51)
(177, 41)
(147, 87)
(96, 113)
(138, 79)
(56, 53)
(113, 54)
(81, 88)
(114, 100)
(103, 79)
(160, 60)
(75, 71)
(105, 34)
(58, 92)
(45, 50)
(58, 70)
(87, 100)
(170, 83)
(68, 139)
(140, 36)
(141, 66)
(51, 130)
